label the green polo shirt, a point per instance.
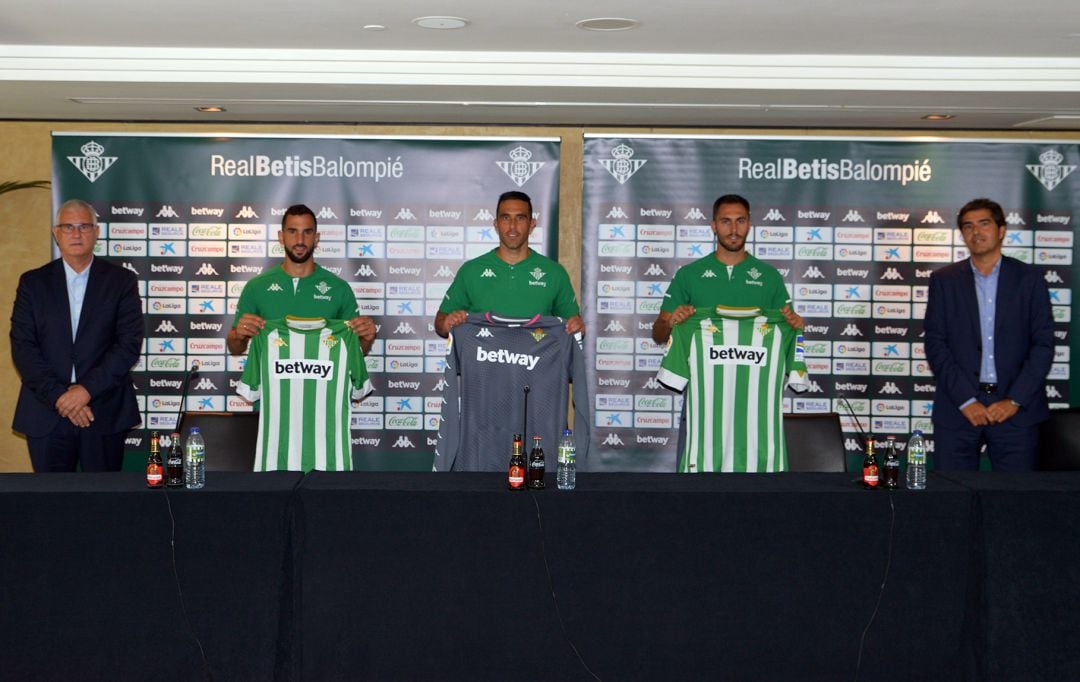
(272, 295)
(535, 286)
(752, 283)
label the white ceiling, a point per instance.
(998, 64)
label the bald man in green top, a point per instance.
(511, 279)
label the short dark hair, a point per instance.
(514, 195)
(983, 203)
(730, 199)
(299, 209)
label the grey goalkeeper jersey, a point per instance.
(490, 362)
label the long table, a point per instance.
(451, 576)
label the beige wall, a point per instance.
(25, 216)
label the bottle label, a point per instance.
(153, 475)
(870, 476)
(517, 477)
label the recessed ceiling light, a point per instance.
(607, 24)
(939, 117)
(210, 110)
(374, 27)
(441, 23)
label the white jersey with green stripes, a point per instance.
(305, 372)
(732, 363)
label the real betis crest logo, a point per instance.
(92, 163)
(538, 335)
(330, 341)
(754, 272)
(621, 165)
(764, 329)
(322, 287)
(537, 274)
(519, 168)
(1050, 173)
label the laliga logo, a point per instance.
(1050, 173)
(519, 168)
(92, 164)
(621, 165)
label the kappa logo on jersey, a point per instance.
(405, 214)
(484, 333)
(614, 326)
(444, 271)
(851, 330)
(92, 164)
(364, 270)
(166, 327)
(1014, 219)
(1049, 173)
(205, 385)
(655, 270)
(274, 287)
(891, 274)
(774, 215)
(403, 442)
(319, 370)
(622, 165)
(1052, 392)
(708, 274)
(505, 357)
(813, 272)
(617, 212)
(129, 266)
(890, 388)
(612, 440)
(488, 272)
(519, 168)
(695, 214)
(933, 217)
(404, 328)
(483, 215)
(326, 213)
(167, 211)
(246, 212)
(1052, 277)
(206, 270)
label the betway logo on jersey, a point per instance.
(320, 370)
(505, 357)
(737, 355)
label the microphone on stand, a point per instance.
(525, 419)
(184, 384)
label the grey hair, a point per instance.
(79, 204)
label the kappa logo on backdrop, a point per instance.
(206, 270)
(405, 214)
(616, 212)
(851, 330)
(613, 440)
(403, 442)
(1052, 392)
(364, 270)
(404, 328)
(167, 211)
(519, 168)
(614, 326)
(1014, 219)
(246, 212)
(483, 215)
(326, 213)
(129, 266)
(655, 270)
(166, 326)
(891, 274)
(890, 388)
(93, 163)
(1052, 277)
(622, 165)
(854, 216)
(813, 272)
(774, 215)
(933, 217)
(695, 214)
(1049, 173)
(444, 271)
(205, 385)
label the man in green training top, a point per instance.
(730, 277)
(511, 279)
(298, 287)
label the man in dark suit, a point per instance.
(990, 342)
(76, 331)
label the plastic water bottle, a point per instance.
(194, 459)
(566, 474)
(916, 462)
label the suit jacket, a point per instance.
(1023, 340)
(107, 344)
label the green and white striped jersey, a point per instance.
(304, 371)
(733, 363)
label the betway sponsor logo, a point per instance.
(165, 383)
(620, 269)
(814, 215)
(1052, 218)
(411, 385)
(505, 357)
(364, 213)
(620, 383)
(206, 326)
(851, 386)
(889, 215)
(245, 269)
(174, 269)
(845, 170)
(207, 211)
(303, 369)
(361, 440)
(405, 270)
(816, 329)
(922, 388)
(655, 213)
(737, 355)
(852, 272)
(651, 440)
(126, 210)
(894, 331)
(454, 215)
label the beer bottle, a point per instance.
(536, 465)
(174, 473)
(517, 465)
(155, 472)
(892, 464)
(870, 467)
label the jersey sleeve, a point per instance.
(348, 308)
(250, 386)
(450, 416)
(358, 374)
(675, 367)
(457, 295)
(779, 296)
(565, 304)
(798, 378)
(676, 294)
